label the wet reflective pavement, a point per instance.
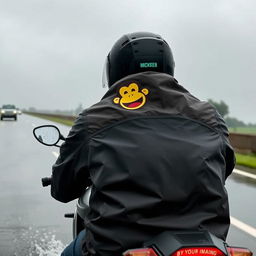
(33, 223)
(242, 200)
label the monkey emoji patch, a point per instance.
(131, 97)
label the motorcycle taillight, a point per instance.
(236, 251)
(140, 252)
(199, 251)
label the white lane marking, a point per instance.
(241, 225)
(55, 154)
(246, 174)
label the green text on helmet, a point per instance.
(148, 65)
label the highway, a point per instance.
(33, 223)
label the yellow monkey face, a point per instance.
(131, 97)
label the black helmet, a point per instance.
(137, 52)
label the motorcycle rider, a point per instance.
(156, 156)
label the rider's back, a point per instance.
(156, 163)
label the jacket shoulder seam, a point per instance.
(151, 117)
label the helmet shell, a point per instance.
(137, 52)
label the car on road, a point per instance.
(8, 111)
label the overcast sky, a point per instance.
(52, 51)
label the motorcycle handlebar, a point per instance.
(46, 181)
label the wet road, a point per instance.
(242, 194)
(32, 223)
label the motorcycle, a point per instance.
(168, 243)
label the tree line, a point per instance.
(72, 112)
(223, 109)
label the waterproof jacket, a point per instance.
(157, 159)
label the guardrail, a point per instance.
(242, 143)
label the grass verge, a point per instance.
(245, 130)
(246, 160)
(55, 119)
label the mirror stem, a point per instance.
(62, 137)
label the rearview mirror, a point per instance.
(48, 135)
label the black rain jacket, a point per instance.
(157, 159)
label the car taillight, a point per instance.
(199, 251)
(236, 251)
(140, 252)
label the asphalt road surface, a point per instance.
(32, 223)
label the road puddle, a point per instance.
(31, 241)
